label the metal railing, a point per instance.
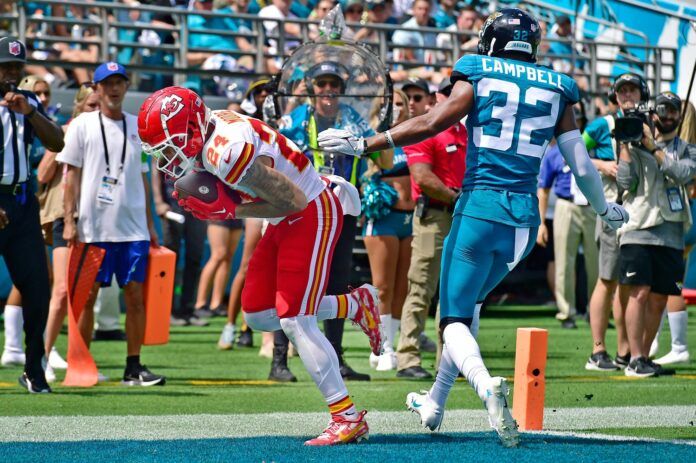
(110, 31)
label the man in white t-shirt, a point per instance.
(107, 179)
(279, 9)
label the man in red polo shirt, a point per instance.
(437, 168)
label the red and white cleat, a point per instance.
(367, 317)
(342, 431)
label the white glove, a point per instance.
(341, 142)
(615, 216)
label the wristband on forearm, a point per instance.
(389, 138)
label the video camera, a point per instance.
(629, 127)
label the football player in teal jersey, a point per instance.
(514, 107)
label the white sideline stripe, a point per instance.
(80, 428)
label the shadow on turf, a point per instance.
(401, 447)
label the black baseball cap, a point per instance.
(416, 82)
(12, 50)
(327, 68)
(445, 86)
(627, 78)
(668, 99)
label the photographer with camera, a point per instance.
(628, 92)
(654, 166)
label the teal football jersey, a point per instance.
(514, 115)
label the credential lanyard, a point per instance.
(106, 150)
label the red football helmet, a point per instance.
(172, 125)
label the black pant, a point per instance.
(339, 279)
(22, 246)
(192, 231)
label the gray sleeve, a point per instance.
(626, 177)
(681, 170)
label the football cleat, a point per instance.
(342, 431)
(387, 361)
(56, 361)
(367, 316)
(499, 414)
(430, 413)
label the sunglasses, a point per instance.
(329, 83)
(416, 98)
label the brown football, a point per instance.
(203, 186)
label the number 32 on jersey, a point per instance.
(508, 116)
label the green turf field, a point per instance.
(203, 380)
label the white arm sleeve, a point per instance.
(574, 152)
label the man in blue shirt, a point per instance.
(514, 109)
(574, 225)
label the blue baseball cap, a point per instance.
(109, 69)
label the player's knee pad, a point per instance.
(298, 326)
(266, 320)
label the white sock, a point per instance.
(466, 355)
(14, 328)
(447, 372)
(393, 328)
(677, 328)
(386, 321)
(341, 306)
(318, 356)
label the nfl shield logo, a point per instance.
(112, 66)
(15, 48)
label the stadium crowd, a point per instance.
(638, 272)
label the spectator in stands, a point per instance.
(416, 40)
(435, 183)
(107, 178)
(575, 224)
(279, 10)
(378, 12)
(387, 234)
(652, 174)
(468, 20)
(76, 51)
(51, 177)
(561, 35)
(319, 12)
(445, 13)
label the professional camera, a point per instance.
(629, 128)
(7, 86)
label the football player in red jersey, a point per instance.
(287, 274)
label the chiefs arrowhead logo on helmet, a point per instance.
(171, 106)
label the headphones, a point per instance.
(633, 78)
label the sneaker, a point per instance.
(36, 386)
(141, 376)
(600, 362)
(673, 357)
(640, 368)
(374, 360)
(195, 320)
(499, 414)
(568, 324)
(176, 320)
(427, 344)
(414, 372)
(387, 361)
(348, 374)
(226, 341)
(342, 431)
(203, 312)
(50, 374)
(220, 311)
(622, 361)
(246, 339)
(367, 316)
(430, 413)
(11, 358)
(660, 370)
(56, 361)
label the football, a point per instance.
(204, 186)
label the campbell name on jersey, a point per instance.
(517, 106)
(237, 141)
